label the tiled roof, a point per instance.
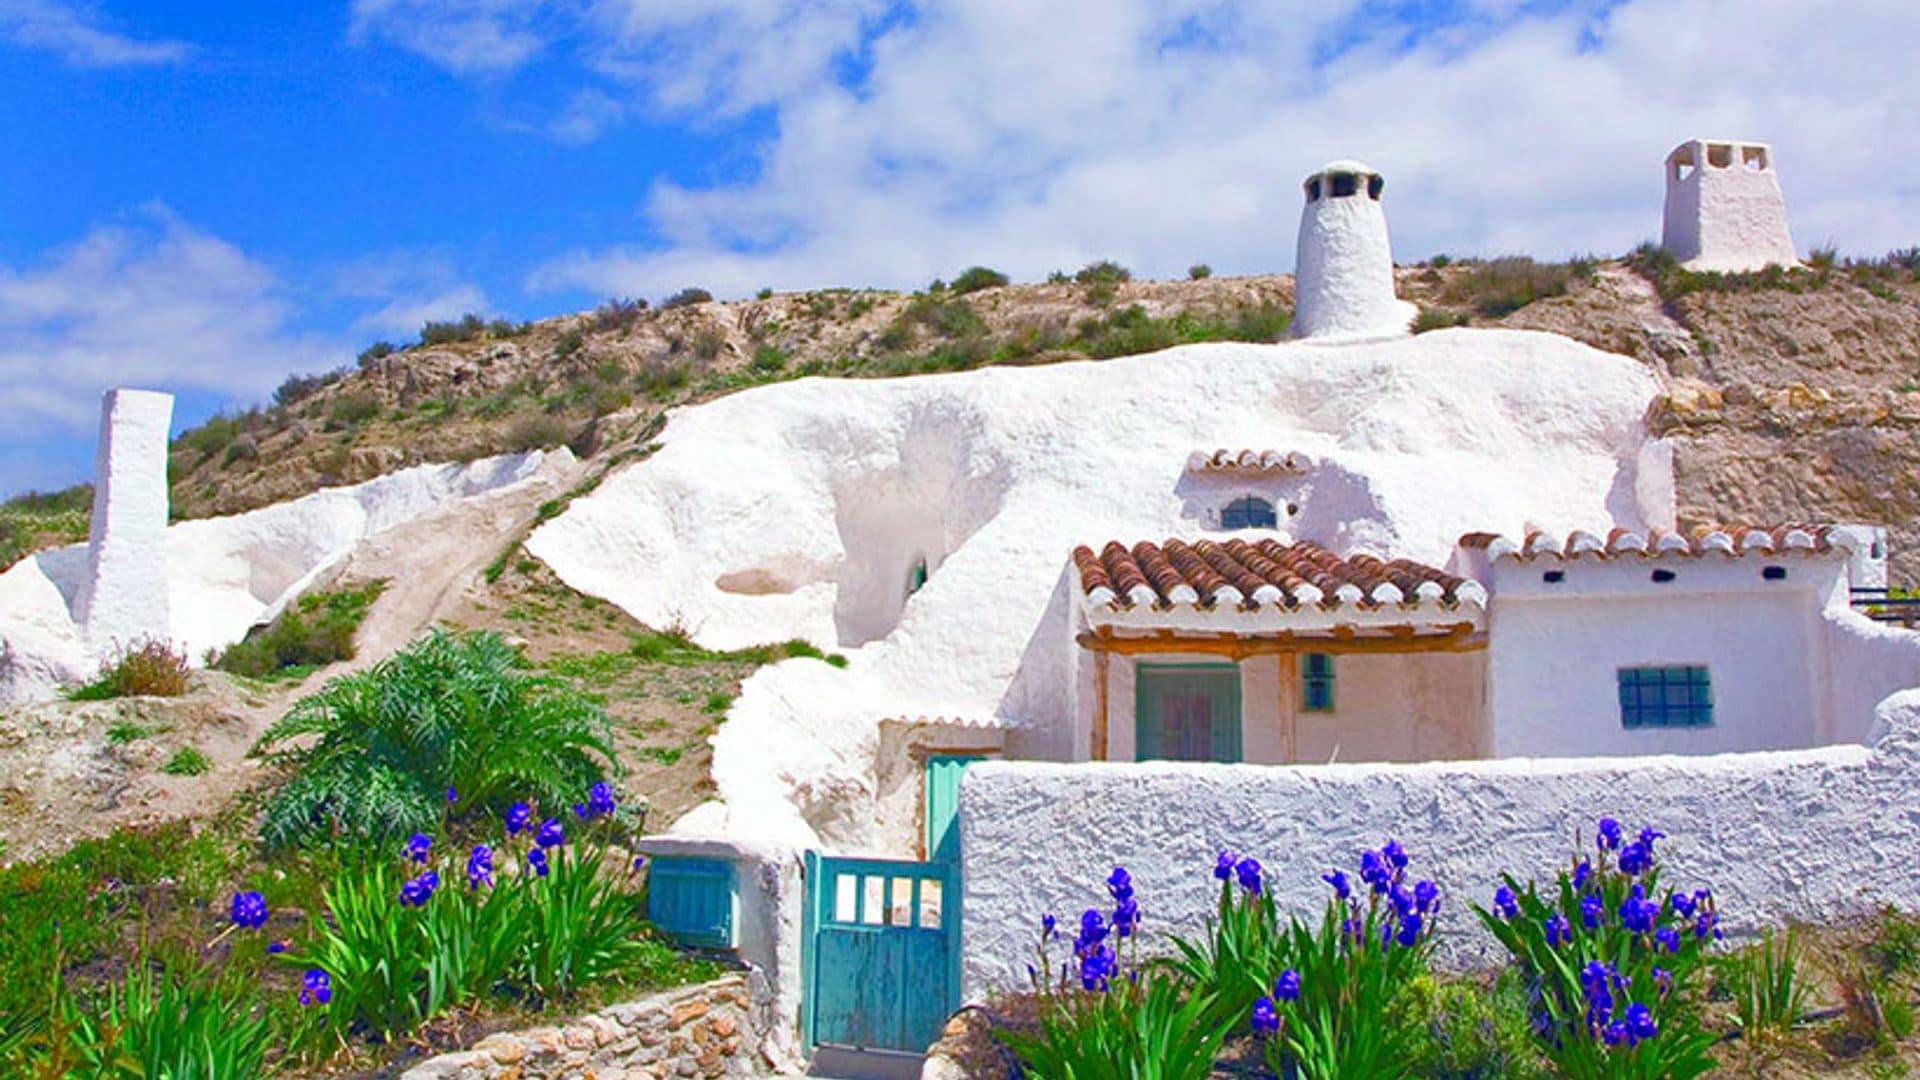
(1266, 573)
(1248, 461)
(1656, 543)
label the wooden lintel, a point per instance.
(1457, 639)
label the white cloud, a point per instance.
(412, 289)
(402, 318)
(464, 36)
(67, 30)
(1036, 136)
(150, 301)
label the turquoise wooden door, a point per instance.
(882, 962)
(1187, 712)
(943, 804)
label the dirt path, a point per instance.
(431, 564)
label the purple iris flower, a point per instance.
(1667, 939)
(1409, 935)
(1265, 1020)
(1592, 912)
(1120, 883)
(1339, 882)
(1048, 926)
(1640, 1023)
(537, 860)
(1581, 875)
(1223, 866)
(1395, 854)
(518, 815)
(1609, 834)
(417, 847)
(1248, 871)
(1559, 931)
(480, 867)
(600, 800)
(1426, 897)
(1506, 903)
(1287, 986)
(418, 891)
(315, 988)
(249, 910)
(1635, 858)
(550, 834)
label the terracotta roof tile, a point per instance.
(1248, 461)
(1263, 573)
(1657, 543)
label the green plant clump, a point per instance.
(186, 761)
(453, 723)
(312, 632)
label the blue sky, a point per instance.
(206, 197)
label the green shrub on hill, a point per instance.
(312, 632)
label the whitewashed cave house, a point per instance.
(1464, 547)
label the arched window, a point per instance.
(1249, 512)
(1375, 185)
(1344, 185)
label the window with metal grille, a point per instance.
(1680, 696)
(1249, 512)
(1316, 682)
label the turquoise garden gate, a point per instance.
(881, 965)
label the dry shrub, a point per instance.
(149, 667)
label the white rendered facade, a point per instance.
(1343, 271)
(1724, 209)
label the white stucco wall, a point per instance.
(1555, 650)
(123, 596)
(1397, 707)
(1729, 217)
(1810, 834)
(1865, 661)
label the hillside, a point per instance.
(1790, 396)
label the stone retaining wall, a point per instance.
(709, 1030)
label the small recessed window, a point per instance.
(1344, 184)
(1248, 512)
(1316, 682)
(1665, 697)
(1375, 185)
(1661, 577)
(917, 577)
(1313, 190)
(1554, 577)
(1774, 573)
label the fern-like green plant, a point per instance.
(375, 755)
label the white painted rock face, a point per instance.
(218, 577)
(1343, 272)
(802, 510)
(123, 597)
(1724, 210)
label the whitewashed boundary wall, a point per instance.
(1809, 834)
